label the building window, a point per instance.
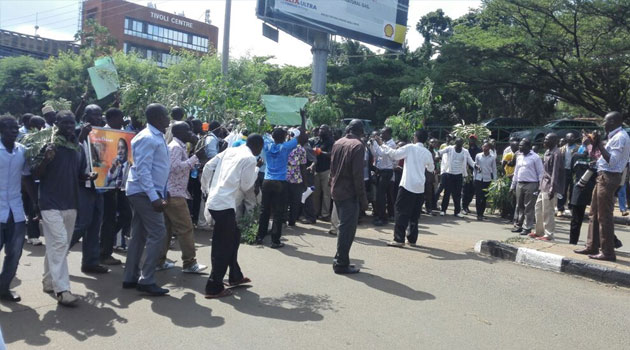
(91, 13)
(165, 35)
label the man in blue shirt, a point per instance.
(147, 193)
(275, 186)
(12, 218)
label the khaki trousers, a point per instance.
(178, 223)
(601, 228)
(545, 215)
(58, 227)
(321, 197)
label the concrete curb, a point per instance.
(553, 262)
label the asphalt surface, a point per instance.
(440, 295)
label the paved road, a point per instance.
(440, 295)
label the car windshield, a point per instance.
(550, 125)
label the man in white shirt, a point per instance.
(484, 173)
(385, 166)
(455, 170)
(410, 197)
(234, 170)
(527, 176)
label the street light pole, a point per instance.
(226, 38)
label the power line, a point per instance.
(35, 14)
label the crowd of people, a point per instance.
(187, 174)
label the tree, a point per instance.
(22, 83)
(435, 27)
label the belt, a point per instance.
(528, 182)
(601, 172)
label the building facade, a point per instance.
(18, 44)
(150, 32)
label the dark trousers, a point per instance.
(32, 223)
(194, 188)
(452, 187)
(429, 191)
(12, 240)
(601, 228)
(274, 197)
(383, 187)
(88, 225)
(568, 190)
(577, 217)
(439, 190)
(225, 242)
(295, 201)
(348, 212)
(116, 217)
(481, 195)
(408, 206)
(469, 191)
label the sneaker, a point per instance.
(166, 266)
(196, 268)
(277, 245)
(442, 213)
(110, 260)
(66, 298)
(395, 244)
(47, 287)
(568, 213)
(34, 241)
(460, 215)
(559, 214)
(466, 211)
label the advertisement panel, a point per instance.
(110, 156)
(377, 22)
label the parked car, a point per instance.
(561, 127)
(502, 127)
(367, 124)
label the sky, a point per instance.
(58, 19)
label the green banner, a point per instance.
(104, 77)
(284, 110)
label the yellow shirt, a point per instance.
(509, 170)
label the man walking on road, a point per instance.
(348, 191)
(527, 176)
(551, 187)
(610, 166)
(485, 172)
(385, 177)
(411, 191)
(235, 170)
(456, 170)
(147, 194)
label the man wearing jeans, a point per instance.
(275, 188)
(527, 175)
(348, 191)
(147, 193)
(12, 218)
(600, 244)
(61, 172)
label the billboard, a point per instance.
(376, 22)
(110, 156)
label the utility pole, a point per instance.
(320, 62)
(226, 38)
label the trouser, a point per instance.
(468, 194)
(452, 186)
(225, 242)
(622, 198)
(274, 197)
(481, 196)
(525, 205)
(148, 234)
(32, 222)
(295, 201)
(383, 185)
(194, 188)
(577, 217)
(334, 220)
(438, 191)
(348, 211)
(408, 206)
(568, 190)
(116, 217)
(545, 209)
(601, 228)
(88, 225)
(58, 227)
(321, 196)
(179, 223)
(12, 240)
(429, 191)
(509, 206)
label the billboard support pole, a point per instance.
(226, 38)
(320, 62)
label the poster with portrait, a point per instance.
(110, 156)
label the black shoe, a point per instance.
(479, 218)
(10, 296)
(346, 270)
(308, 222)
(332, 232)
(94, 269)
(291, 224)
(324, 218)
(258, 241)
(152, 289)
(129, 285)
(618, 244)
(277, 245)
(517, 229)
